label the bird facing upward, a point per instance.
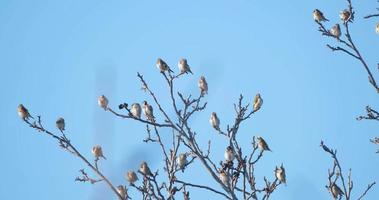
(336, 31)
(203, 85)
(214, 121)
(280, 174)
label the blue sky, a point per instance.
(57, 57)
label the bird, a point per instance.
(103, 102)
(336, 191)
(162, 66)
(203, 85)
(122, 191)
(144, 169)
(377, 28)
(262, 144)
(229, 154)
(136, 110)
(215, 122)
(148, 111)
(182, 161)
(184, 67)
(97, 151)
(345, 15)
(280, 174)
(23, 112)
(318, 16)
(131, 177)
(336, 31)
(60, 123)
(224, 177)
(258, 101)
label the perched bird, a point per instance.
(131, 177)
(224, 177)
(215, 122)
(318, 16)
(162, 66)
(182, 161)
(336, 31)
(97, 151)
(258, 101)
(377, 28)
(148, 111)
(280, 174)
(203, 85)
(144, 169)
(229, 154)
(23, 112)
(336, 191)
(184, 67)
(136, 110)
(122, 191)
(60, 124)
(262, 144)
(103, 102)
(345, 15)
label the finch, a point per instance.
(214, 121)
(262, 144)
(184, 67)
(60, 123)
(97, 151)
(136, 110)
(203, 85)
(23, 112)
(103, 102)
(318, 16)
(258, 101)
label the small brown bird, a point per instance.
(258, 101)
(336, 191)
(103, 102)
(23, 112)
(262, 144)
(280, 174)
(97, 151)
(136, 110)
(229, 154)
(215, 122)
(318, 16)
(131, 177)
(336, 31)
(203, 85)
(60, 123)
(122, 191)
(182, 161)
(144, 169)
(162, 66)
(345, 15)
(184, 67)
(224, 177)
(377, 28)
(148, 111)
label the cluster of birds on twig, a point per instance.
(181, 161)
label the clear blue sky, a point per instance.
(57, 57)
